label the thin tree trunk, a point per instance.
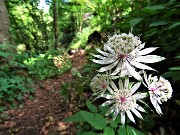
(56, 36)
(4, 23)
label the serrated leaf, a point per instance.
(135, 21)
(108, 131)
(91, 107)
(158, 23)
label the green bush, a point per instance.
(42, 66)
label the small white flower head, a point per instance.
(99, 83)
(124, 100)
(123, 53)
(160, 90)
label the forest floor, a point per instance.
(45, 113)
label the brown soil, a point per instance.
(45, 113)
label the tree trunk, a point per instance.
(4, 23)
(56, 37)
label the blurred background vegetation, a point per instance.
(38, 42)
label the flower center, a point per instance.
(122, 99)
(103, 85)
(122, 56)
(153, 89)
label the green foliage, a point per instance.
(94, 122)
(41, 66)
(15, 85)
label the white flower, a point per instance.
(160, 90)
(100, 82)
(124, 53)
(124, 100)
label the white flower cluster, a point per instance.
(122, 55)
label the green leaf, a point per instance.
(78, 117)
(122, 130)
(89, 133)
(129, 131)
(91, 107)
(155, 7)
(175, 68)
(108, 131)
(135, 21)
(174, 25)
(95, 120)
(115, 122)
(158, 23)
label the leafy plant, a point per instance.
(42, 65)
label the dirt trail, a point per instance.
(44, 114)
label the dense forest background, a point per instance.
(36, 45)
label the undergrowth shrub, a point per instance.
(44, 66)
(15, 85)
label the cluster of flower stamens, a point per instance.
(124, 100)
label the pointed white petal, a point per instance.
(140, 96)
(123, 118)
(113, 85)
(141, 66)
(107, 102)
(110, 110)
(109, 67)
(118, 68)
(116, 112)
(107, 96)
(103, 62)
(138, 107)
(102, 52)
(147, 50)
(99, 56)
(149, 59)
(120, 84)
(145, 78)
(156, 105)
(130, 116)
(133, 72)
(135, 87)
(136, 113)
(110, 90)
(126, 83)
(109, 49)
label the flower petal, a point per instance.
(139, 108)
(118, 68)
(113, 85)
(147, 50)
(103, 62)
(102, 52)
(116, 112)
(110, 90)
(155, 104)
(111, 110)
(133, 72)
(130, 116)
(120, 84)
(126, 82)
(109, 49)
(135, 87)
(109, 67)
(107, 96)
(123, 118)
(107, 102)
(136, 113)
(149, 59)
(141, 66)
(140, 96)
